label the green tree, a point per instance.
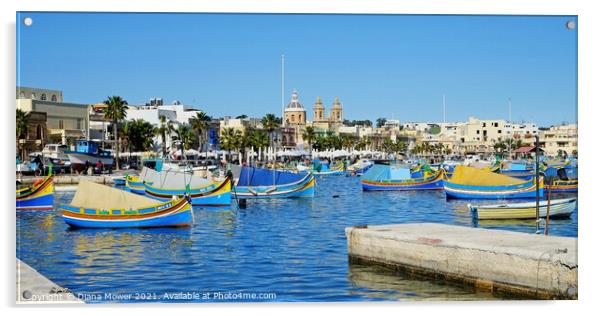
(270, 123)
(165, 128)
(380, 122)
(200, 124)
(22, 127)
(230, 139)
(243, 116)
(185, 136)
(309, 135)
(138, 135)
(116, 111)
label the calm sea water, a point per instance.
(274, 250)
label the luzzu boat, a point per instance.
(472, 183)
(567, 186)
(257, 183)
(99, 206)
(39, 196)
(165, 184)
(388, 178)
(559, 208)
(360, 167)
(337, 169)
(135, 185)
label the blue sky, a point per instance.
(393, 66)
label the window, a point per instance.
(499, 131)
(484, 124)
(43, 97)
(478, 132)
(495, 124)
(79, 124)
(53, 98)
(39, 133)
(60, 124)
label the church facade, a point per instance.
(295, 118)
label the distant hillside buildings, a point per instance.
(54, 121)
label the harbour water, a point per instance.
(276, 250)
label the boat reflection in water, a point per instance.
(377, 282)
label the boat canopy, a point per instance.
(479, 177)
(383, 172)
(249, 176)
(98, 196)
(172, 179)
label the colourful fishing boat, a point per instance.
(39, 196)
(165, 184)
(566, 186)
(134, 185)
(90, 152)
(337, 169)
(258, 183)
(558, 208)
(386, 178)
(473, 183)
(99, 206)
(360, 167)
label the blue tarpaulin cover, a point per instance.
(259, 177)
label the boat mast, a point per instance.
(444, 109)
(511, 129)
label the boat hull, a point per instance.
(304, 188)
(78, 160)
(558, 209)
(459, 191)
(40, 197)
(134, 185)
(570, 186)
(430, 183)
(216, 194)
(170, 214)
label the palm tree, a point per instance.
(116, 111)
(22, 127)
(309, 135)
(200, 124)
(270, 123)
(165, 128)
(230, 140)
(186, 137)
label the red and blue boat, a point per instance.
(99, 206)
(39, 196)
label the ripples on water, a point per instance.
(295, 248)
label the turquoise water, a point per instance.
(274, 250)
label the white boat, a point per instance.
(558, 208)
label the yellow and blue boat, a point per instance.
(99, 206)
(134, 184)
(473, 183)
(559, 208)
(39, 196)
(163, 185)
(326, 169)
(395, 178)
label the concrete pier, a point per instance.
(34, 288)
(526, 265)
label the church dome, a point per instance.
(294, 105)
(337, 104)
